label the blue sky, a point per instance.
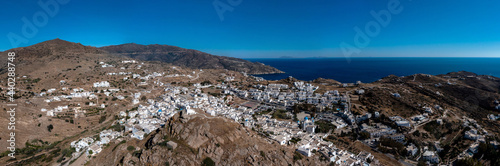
(265, 29)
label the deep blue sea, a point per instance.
(372, 69)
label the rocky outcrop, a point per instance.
(225, 142)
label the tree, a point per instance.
(102, 119)
(297, 156)
(421, 163)
(50, 127)
(364, 135)
(468, 162)
(208, 162)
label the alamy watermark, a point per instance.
(362, 38)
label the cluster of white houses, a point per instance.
(284, 132)
(146, 119)
(91, 146)
(283, 95)
(76, 93)
(475, 133)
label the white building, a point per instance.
(190, 111)
(129, 61)
(102, 84)
(95, 149)
(305, 150)
(282, 140)
(403, 123)
(411, 149)
(431, 156)
(472, 134)
(138, 134)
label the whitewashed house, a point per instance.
(102, 84)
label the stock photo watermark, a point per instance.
(11, 83)
(372, 28)
(29, 29)
(39, 19)
(222, 6)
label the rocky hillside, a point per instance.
(466, 93)
(188, 58)
(198, 137)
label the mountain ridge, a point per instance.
(182, 57)
(188, 58)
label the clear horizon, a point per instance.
(262, 29)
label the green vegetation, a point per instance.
(486, 151)
(67, 152)
(264, 112)
(36, 146)
(3, 154)
(468, 162)
(102, 119)
(50, 127)
(117, 127)
(297, 108)
(36, 80)
(432, 128)
(324, 126)
(297, 156)
(388, 145)
(281, 114)
(130, 148)
(364, 135)
(295, 140)
(208, 162)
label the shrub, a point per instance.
(50, 127)
(297, 156)
(208, 162)
(324, 126)
(130, 148)
(281, 114)
(102, 119)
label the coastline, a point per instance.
(371, 69)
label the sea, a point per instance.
(372, 69)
